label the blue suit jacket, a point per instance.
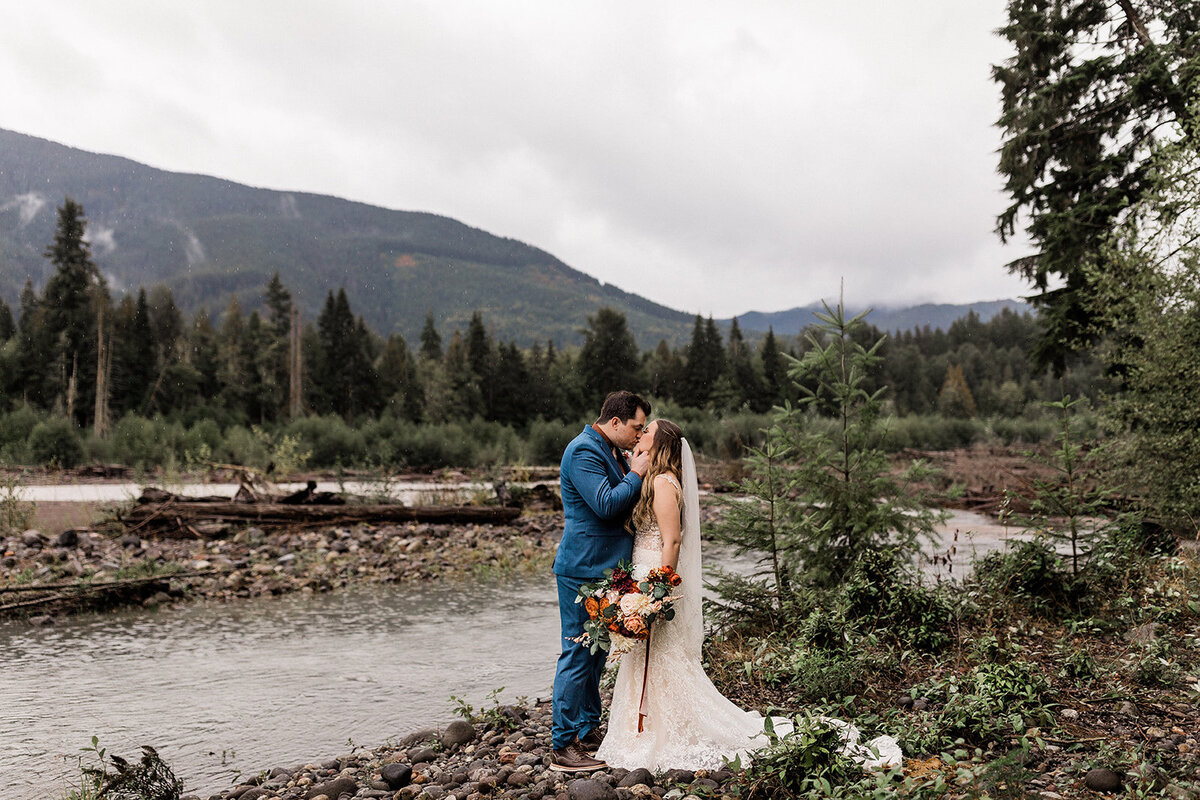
(597, 499)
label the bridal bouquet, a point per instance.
(622, 606)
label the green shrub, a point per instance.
(819, 675)
(881, 595)
(993, 699)
(240, 446)
(329, 440)
(547, 439)
(432, 447)
(801, 762)
(1033, 576)
(204, 436)
(55, 442)
(138, 442)
(15, 428)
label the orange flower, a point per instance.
(592, 606)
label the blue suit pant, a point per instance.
(577, 678)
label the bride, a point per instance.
(685, 722)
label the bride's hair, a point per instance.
(666, 456)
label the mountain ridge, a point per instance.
(210, 239)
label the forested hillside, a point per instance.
(76, 351)
(209, 240)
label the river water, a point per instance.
(220, 688)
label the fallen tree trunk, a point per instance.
(156, 517)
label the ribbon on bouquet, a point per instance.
(643, 712)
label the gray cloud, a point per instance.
(714, 156)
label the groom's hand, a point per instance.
(639, 463)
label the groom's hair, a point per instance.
(623, 405)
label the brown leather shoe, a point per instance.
(591, 742)
(572, 758)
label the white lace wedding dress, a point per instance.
(688, 723)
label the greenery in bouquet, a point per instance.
(622, 606)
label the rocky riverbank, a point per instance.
(504, 753)
(254, 562)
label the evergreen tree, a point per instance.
(431, 342)
(608, 360)
(278, 302)
(346, 380)
(8, 326)
(846, 501)
(202, 354)
(955, 398)
(774, 370)
(166, 324)
(745, 388)
(705, 362)
(461, 399)
(544, 394)
(481, 358)
(70, 300)
(34, 350)
(233, 367)
(662, 372)
(1092, 92)
(511, 392)
(398, 382)
(135, 365)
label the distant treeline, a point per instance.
(74, 351)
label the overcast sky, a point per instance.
(716, 157)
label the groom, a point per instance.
(599, 490)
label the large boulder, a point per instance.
(1101, 779)
(457, 733)
(396, 775)
(641, 776)
(343, 784)
(590, 789)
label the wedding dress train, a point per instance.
(688, 723)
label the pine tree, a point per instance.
(70, 300)
(774, 371)
(955, 398)
(233, 366)
(846, 501)
(511, 392)
(345, 380)
(745, 387)
(705, 362)
(608, 360)
(34, 350)
(1092, 92)
(431, 342)
(663, 369)
(398, 382)
(481, 360)
(278, 302)
(8, 326)
(460, 398)
(135, 364)
(203, 355)
(166, 324)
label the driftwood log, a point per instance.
(185, 518)
(56, 596)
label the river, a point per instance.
(222, 688)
